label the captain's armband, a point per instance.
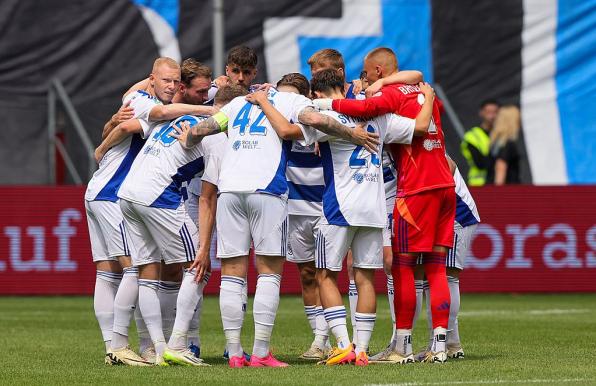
(222, 120)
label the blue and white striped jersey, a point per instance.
(305, 181)
(162, 167)
(466, 213)
(116, 163)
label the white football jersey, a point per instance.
(116, 163)
(256, 158)
(389, 176)
(466, 213)
(163, 165)
(354, 188)
(305, 181)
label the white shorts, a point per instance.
(158, 234)
(333, 242)
(456, 257)
(260, 217)
(302, 231)
(388, 231)
(106, 230)
(192, 208)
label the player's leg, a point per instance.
(435, 272)
(233, 246)
(170, 279)
(108, 269)
(268, 219)
(332, 244)
(301, 250)
(455, 264)
(352, 294)
(125, 302)
(367, 247)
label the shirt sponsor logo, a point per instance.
(369, 177)
(431, 144)
(151, 150)
(245, 144)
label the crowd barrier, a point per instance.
(531, 239)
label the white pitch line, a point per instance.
(486, 382)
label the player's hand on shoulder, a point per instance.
(181, 133)
(370, 141)
(358, 86)
(124, 113)
(374, 88)
(221, 81)
(257, 97)
(426, 89)
(263, 86)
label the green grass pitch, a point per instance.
(508, 339)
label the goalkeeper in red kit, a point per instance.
(425, 205)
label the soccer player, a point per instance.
(241, 69)
(425, 205)
(350, 221)
(466, 222)
(329, 58)
(255, 209)
(163, 84)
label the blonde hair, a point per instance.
(507, 125)
(327, 57)
(165, 61)
(385, 57)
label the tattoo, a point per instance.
(325, 123)
(199, 131)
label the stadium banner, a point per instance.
(531, 239)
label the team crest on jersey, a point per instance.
(431, 144)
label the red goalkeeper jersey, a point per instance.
(422, 165)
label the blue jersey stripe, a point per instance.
(463, 213)
(278, 184)
(330, 204)
(304, 160)
(172, 195)
(312, 193)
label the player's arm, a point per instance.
(207, 210)
(214, 124)
(175, 110)
(124, 113)
(370, 107)
(404, 77)
(358, 135)
(425, 115)
(140, 85)
(120, 132)
(283, 127)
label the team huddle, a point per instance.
(313, 172)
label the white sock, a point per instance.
(453, 328)
(365, 324)
(419, 284)
(439, 339)
(403, 344)
(188, 298)
(144, 337)
(151, 311)
(125, 303)
(322, 329)
(167, 292)
(193, 337)
(232, 312)
(264, 310)
(390, 298)
(429, 315)
(353, 298)
(106, 287)
(311, 315)
(245, 296)
(336, 319)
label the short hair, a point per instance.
(326, 81)
(384, 56)
(192, 68)
(489, 101)
(165, 61)
(225, 94)
(243, 56)
(297, 80)
(327, 56)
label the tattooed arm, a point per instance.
(328, 125)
